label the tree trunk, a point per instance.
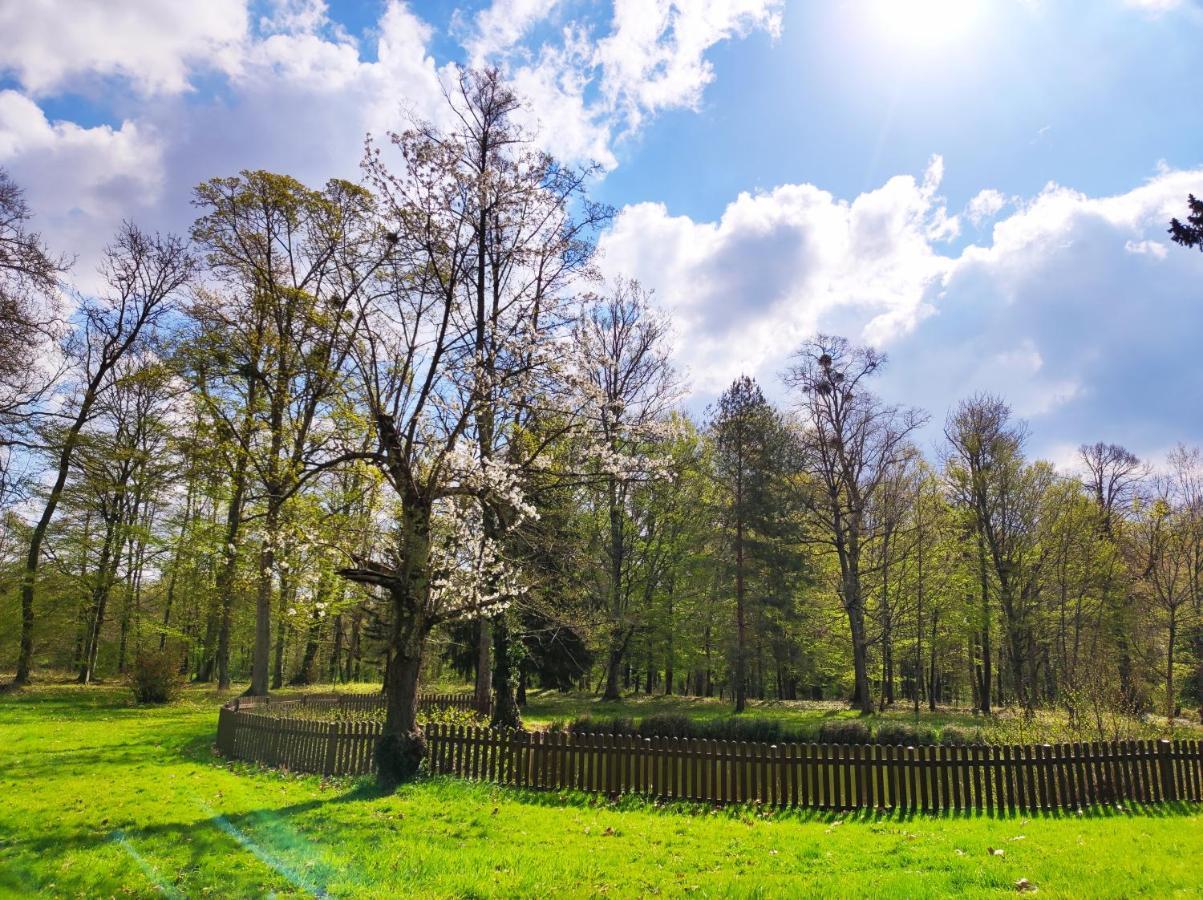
(741, 698)
(613, 670)
(484, 665)
(34, 556)
(505, 705)
(987, 656)
(337, 651)
(305, 671)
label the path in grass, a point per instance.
(98, 798)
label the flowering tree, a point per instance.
(458, 350)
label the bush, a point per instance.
(452, 715)
(155, 677)
(902, 734)
(845, 731)
(619, 725)
(668, 725)
(957, 736)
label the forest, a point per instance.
(402, 430)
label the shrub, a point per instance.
(668, 725)
(452, 715)
(618, 725)
(903, 734)
(155, 677)
(957, 736)
(844, 731)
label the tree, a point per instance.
(291, 259)
(121, 467)
(750, 454)
(851, 445)
(628, 387)
(29, 283)
(427, 377)
(1190, 232)
(989, 477)
(144, 274)
(1113, 478)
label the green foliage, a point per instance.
(901, 733)
(958, 736)
(452, 715)
(155, 676)
(845, 731)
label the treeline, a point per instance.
(366, 431)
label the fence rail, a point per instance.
(991, 779)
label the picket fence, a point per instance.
(990, 779)
(279, 733)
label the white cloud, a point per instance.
(746, 290)
(985, 205)
(499, 26)
(588, 91)
(81, 181)
(1076, 310)
(654, 58)
(53, 44)
(300, 100)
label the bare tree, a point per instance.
(853, 443)
(144, 274)
(628, 386)
(29, 284)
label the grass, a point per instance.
(100, 798)
(1006, 726)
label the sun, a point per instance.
(923, 24)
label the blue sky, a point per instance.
(980, 187)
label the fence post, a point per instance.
(331, 749)
(1165, 763)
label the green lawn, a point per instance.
(100, 798)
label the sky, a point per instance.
(980, 188)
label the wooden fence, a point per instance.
(990, 779)
(829, 776)
(260, 729)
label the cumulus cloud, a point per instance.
(589, 90)
(152, 44)
(499, 26)
(301, 96)
(655, 56)
(985, 205)
(1075, 311)
(777, 266)
(80, 178)
(298, 93)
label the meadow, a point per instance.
(99, 797)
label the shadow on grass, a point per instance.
(693, 809)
